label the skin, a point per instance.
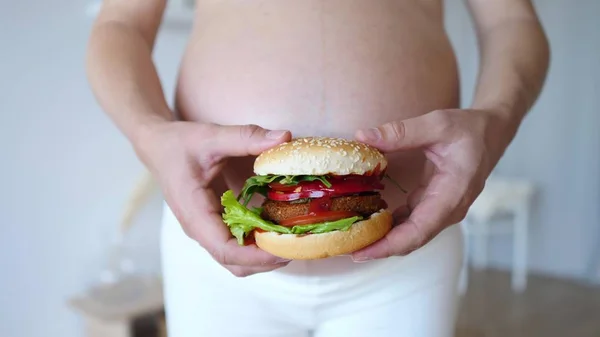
(255, 74)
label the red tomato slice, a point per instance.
(314, 218)
(282, 187)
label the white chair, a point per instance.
(500, 196)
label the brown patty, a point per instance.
(280, 210)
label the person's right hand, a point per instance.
(186, 158)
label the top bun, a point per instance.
(319, 156)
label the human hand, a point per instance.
(462, 147)
(186, 158)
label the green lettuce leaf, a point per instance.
(255, 184)
(325, 227)
(242, 221)
(258, 184)
(293, 180)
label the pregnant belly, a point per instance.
(317, 70)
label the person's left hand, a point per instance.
(462, 147)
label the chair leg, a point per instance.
(480, 245)
(463, 284)
(520, 249)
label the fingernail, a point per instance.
(278, 261)
(275, 134)
(361, 259)
(372, 134)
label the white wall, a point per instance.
(558, 145)
(66, 171)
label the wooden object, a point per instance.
(115, 309)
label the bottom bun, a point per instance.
(318, 246)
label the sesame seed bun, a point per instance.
(319, 156)
(323, 156)
(318, 246)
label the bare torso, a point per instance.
(318, 67)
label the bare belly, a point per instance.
(318, 67)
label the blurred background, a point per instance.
(67, 176)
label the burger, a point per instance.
(321, 199)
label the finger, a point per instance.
(244, 140)
(231, 253)
(416, 196)
(412, 133)
(215, 237)
(199, 211)
(438, 209)
(400, 214)
(241, 271)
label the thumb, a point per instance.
(245, 140)
(398, 135)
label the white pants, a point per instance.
(412, 296)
